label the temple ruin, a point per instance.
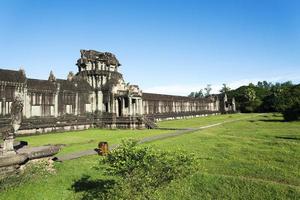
(96, 95)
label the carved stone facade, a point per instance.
(112, 94)
(96, 95)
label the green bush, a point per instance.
(144, 170)
(292, 113)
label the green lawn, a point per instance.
(255, 158)
(88, 139)
(201, 121)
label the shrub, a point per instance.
(143, 170)
(292, 113)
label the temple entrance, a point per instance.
(106, 107)
(120, 109)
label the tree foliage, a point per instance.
(207, 90)
(263, 97)
(268, 97)
(144, 170)
(198, 94)
(225, 89)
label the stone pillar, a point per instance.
(147, 107)
(4, 106)
(141, 107)
(130, 106)
(117, 107)
(56, 104)
(137, 106)
(123, 106)
(93, 95)
(76, 103)
(3, 100)
(113, 106)
(159, 108)
(27, 105)
(134, 108)
(100, 101)
(109, 106)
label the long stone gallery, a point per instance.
(96, 96)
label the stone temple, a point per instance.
(96, 96)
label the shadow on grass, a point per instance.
(267, 120)
(271, 120)
(288, 137)
(93, 189)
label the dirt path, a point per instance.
(148, 139)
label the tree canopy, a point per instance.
(263, 97)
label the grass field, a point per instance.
(254, 158)
(88, 139)
(202, 121)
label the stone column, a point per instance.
(56, 100)
(117, 107)
(147, 106)
(141, 107)
(141, 110)
(93, 102)
(113, 106)
(100, 101)
(27, 105)
(109, 106)
(76, 103)
(159, 108)
(134, 108)
(137, 102)
(130, 106)
(3, 100)
(3, 106)
(123, 106)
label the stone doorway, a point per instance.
(120, 107)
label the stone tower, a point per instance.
(112, 94)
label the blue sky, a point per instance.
(164, 46)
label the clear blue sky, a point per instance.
(164, 46)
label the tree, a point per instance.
(192, 94)
(249, 94)
(225, 89)
(207, 90)
(199, 94)
(290, 101)
(264, 85)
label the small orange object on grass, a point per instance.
(103, 148)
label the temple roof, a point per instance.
(92, 55)
(165, 97)
(40, 84)
(77, 85)
(12, 75)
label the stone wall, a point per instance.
(97, 90)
